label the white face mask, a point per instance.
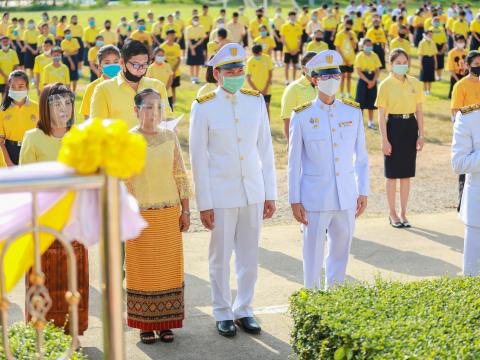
(47, 52)
(18, 95)
(328, 87)
(461, 45)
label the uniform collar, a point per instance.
(220, 91)
(324, 106)
(27, 102)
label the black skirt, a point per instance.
(427, 74)
(402, 135)
(378, 49)
(366, 97)
(30, 57)
(198, 58)
(440, 57)
(73, 73)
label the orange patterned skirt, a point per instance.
(154, 273)
(54, 266)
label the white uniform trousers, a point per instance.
(236, 229)
(340, 225)
(471, 251)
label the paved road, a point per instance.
(432, 248)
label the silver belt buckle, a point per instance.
(19, 143)
(405, 116)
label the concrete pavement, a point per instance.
(432, 248)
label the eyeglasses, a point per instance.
(138, 66)
(326, 76)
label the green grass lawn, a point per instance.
(437, 109)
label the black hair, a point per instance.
(307, 57)
(460, 37)
(462, 13)
(222, 33)
(257, 49)
(292, 13)
(170, 31)
(235, 14)
(7, 100)
(107, 50)
(209, 78)
(141, 95)
(14, 19)
(472, 55)
(48, 41)
(132, 48)
(349, 22)
(157, 49)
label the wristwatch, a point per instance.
(184, 212)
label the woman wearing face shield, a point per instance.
(154, 261)
(43, 144)
(18, 114)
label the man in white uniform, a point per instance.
(234, 173)
(466, 160)
(328, 180)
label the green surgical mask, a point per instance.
(400, 69)
(233, 83)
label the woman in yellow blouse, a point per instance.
(439, 37)
(367, 65)
(18, 114)
(418, 21)
(43, 144)
(195, 35)
(427, 50)
(399, 100)
(154, 260)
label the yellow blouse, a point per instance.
(37, 147)
(391, 89)
(164, 180)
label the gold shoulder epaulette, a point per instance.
(468, 109)
(250, 92)
(302, 107)
(351, 103)
(206, 97)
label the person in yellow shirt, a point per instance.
(109, 36)
(317, 44)
(56, 71)
(440, 38)
(162, 71)
(142, 35)
(41, 61)
(89, 35)
(30, 38)
(8, 61)
(150, 21)
(5, 23)
(427, 51)
(377, 35)
(207, 22)
(114, 98)
(245, 21)
(329, 24)
(92, 58)
(402, 41)
(395, 26)
(358, 25)
(18, 114)
(260, 72)
(215, 45)
(171, 25)
(456, 62)
(303, 20)
(173, 57)
(236, 30)
(451, 36)
(133, 24)
(418, 21)
(44, 34)
(71, 48)
(181, 35)
(367, 65)
(195, 35)
(108, 58)
(77, 33)
(254, 25)
(16, 35)
(123, 31)
(460, 27)
(61, 26)
(265, 41)
(346, 44)
(157, 31)
(291, 33)
(277, 23)
(313, 25)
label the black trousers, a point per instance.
(13, 150)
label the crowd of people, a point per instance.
(135, 72)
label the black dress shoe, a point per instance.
(226, 328)
(249, 325)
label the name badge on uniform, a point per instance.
(346, 123)
(314, 122)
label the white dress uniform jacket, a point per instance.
(328, 160)
(466, 160)
(231, 150)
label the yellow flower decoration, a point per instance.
(104, 144)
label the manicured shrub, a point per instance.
(429, 319)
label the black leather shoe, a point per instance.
(249, 325)
(226, 328)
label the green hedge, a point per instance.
(430, 319)
(23, 343)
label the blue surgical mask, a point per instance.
(314, 18)
(111, 70)
(91, 22)
(400, 69)
(99, 43)
(31, 26)
(368, 48)
(68, 36)
(264, 33)
(233, 83)
(159, 59)
(141, 27)
(56, 58)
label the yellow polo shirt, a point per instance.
(173, 54)
(254, 26)
(475, 26)
(92, 54)
(161, 72)
(8, 61)
(297, 93)
(40, 62)
(206, 21)
(41, 38)
(402, 44)
(30, 36)
(16, 120)
(377, 35)
(438, 35)
(77, 30)
(113, 99)
(364, 62)
(87, 96)
(90, 33)
(70, 46)
(258, 70)
(173, 26)
(391, 89)
(195, 32)
(292, 35)
(329, 23)
(38, 147)
(142, 36)
(267, 43)
(53, 74)
(109, 37)
(427, 48)
(465, 92)
(317, 46)
(460, 28)
(346, 43)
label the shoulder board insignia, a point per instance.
(206, 97)
(468, 109)
(250, 92)
(351, 103)
(302, 107)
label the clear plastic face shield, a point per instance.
(151, 113)
(61, 110)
